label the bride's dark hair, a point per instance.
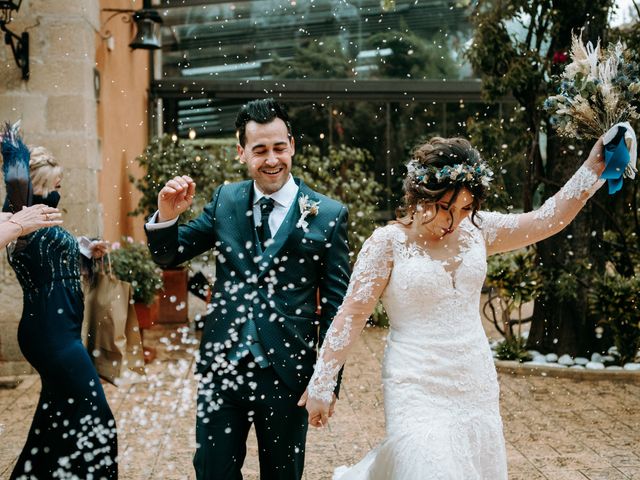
(439, 166)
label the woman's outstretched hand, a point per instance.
(175, 197)
(319, 412)
(36, 216)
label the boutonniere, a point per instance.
(307, 207)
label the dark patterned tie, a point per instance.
(264, 232)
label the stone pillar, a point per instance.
(57, 106)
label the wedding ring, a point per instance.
(46, 217)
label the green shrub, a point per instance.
(208, 163)
(513, 348)
(344, 174)
(131, 262)
(616, 300)
(513, 281)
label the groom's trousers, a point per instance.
(227, 407)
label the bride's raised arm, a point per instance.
(368, 281)
(505, 232)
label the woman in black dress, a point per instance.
(73, 434)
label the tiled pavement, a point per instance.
(559, 429)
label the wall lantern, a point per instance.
(148, 30)
(19, 43)
(147, 22)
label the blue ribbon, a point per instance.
(616, 159)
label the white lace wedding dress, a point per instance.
(441, 394)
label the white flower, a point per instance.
(457, 170)
(307, 207)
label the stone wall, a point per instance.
(57, 106)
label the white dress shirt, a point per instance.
(283, 199)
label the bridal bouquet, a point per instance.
(599, 94)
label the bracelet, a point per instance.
(18, 224)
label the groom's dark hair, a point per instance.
(263, 110)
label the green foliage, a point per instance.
(502, 146)
(622, 246)
(518, 47)
(566, 286)
(412, 57)
(565, 282)
(344, 174)
(622, 239)
(515, 42)
(514, 277)
(492, 53)
(131, 262)
(513, 281)
(513, 349)
(629, 34)
(616, 300)
(208, 164)
(315, 60)
(379, 317)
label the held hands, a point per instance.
(319, 412)
(175, 197)
(595, 160)
(34, 217)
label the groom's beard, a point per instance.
(50, 200)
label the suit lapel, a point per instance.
(288, 233)
(244, 220)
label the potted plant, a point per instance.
(132, 263)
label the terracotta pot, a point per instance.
(147, 314)
(147, 317)
(174, 296)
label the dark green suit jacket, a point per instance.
(277, 288)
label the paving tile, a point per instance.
(563, 475)
(574, 461)
(556, 429)
(625, 460)
(526, 474)
(604, 474)
(633, 473)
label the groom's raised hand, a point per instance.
(175, 197)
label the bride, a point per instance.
(440, 386)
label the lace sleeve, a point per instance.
(505, 232)
(368, 280)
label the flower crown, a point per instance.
(478, 173)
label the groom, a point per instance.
(281, 257)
